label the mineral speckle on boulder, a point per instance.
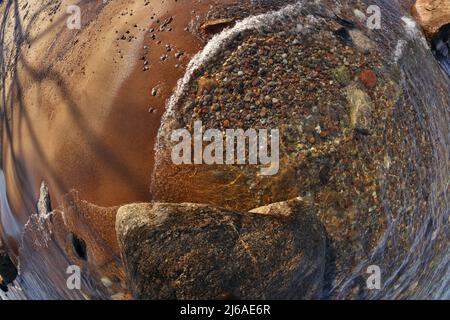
(191, 251)
(360, 108)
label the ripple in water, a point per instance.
(441, 47)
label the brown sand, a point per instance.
(81, 111)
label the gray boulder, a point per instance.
(191, 251)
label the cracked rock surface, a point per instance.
(190, 251)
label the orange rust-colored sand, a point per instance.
(80, 109)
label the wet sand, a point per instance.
(88, 120)
(82, 112)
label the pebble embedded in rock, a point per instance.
(361, 41)
(342, 75)
(368, 78)
(360, 108)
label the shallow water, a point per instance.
(441, 47)
(423, 271)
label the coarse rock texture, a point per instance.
(346, 101)
(330, 124)
(189, 251)
(432, 15)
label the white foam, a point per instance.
(213, 47)
(413, 32)
(398, 53)
(410, 26)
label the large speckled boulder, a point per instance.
(190, 251)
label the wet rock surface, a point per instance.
(189, 251)
(331, 112)
(350, 126)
